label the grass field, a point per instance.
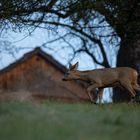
(69, 121)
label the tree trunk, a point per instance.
(129, 56)
(129, 53)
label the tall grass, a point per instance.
(65, 121)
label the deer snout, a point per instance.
(64, 79)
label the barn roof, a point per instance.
(36, 51)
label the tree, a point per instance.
(123, 16)
(31, 14)
(84, 19)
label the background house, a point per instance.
(38, 76)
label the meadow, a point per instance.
(69, 121)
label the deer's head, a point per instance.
(71, 74)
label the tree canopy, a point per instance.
(83, 19)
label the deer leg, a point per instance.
(129, 87)
(100, 95)
(136, 87)
(89, 89)
(135, 84)
(89, 93)
(95, 95)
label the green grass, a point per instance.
(65, 121)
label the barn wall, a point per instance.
(40, 78)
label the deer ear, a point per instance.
(74, 67)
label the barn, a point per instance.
(39, 75)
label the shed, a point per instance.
(39, 74)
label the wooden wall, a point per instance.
(42, 79)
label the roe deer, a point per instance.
(125, 77)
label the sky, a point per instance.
(28, 43)
(59, 52)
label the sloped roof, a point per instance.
(36, 51)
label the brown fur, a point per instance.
(125, 77)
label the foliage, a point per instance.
(91, 21)
(79, 19)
